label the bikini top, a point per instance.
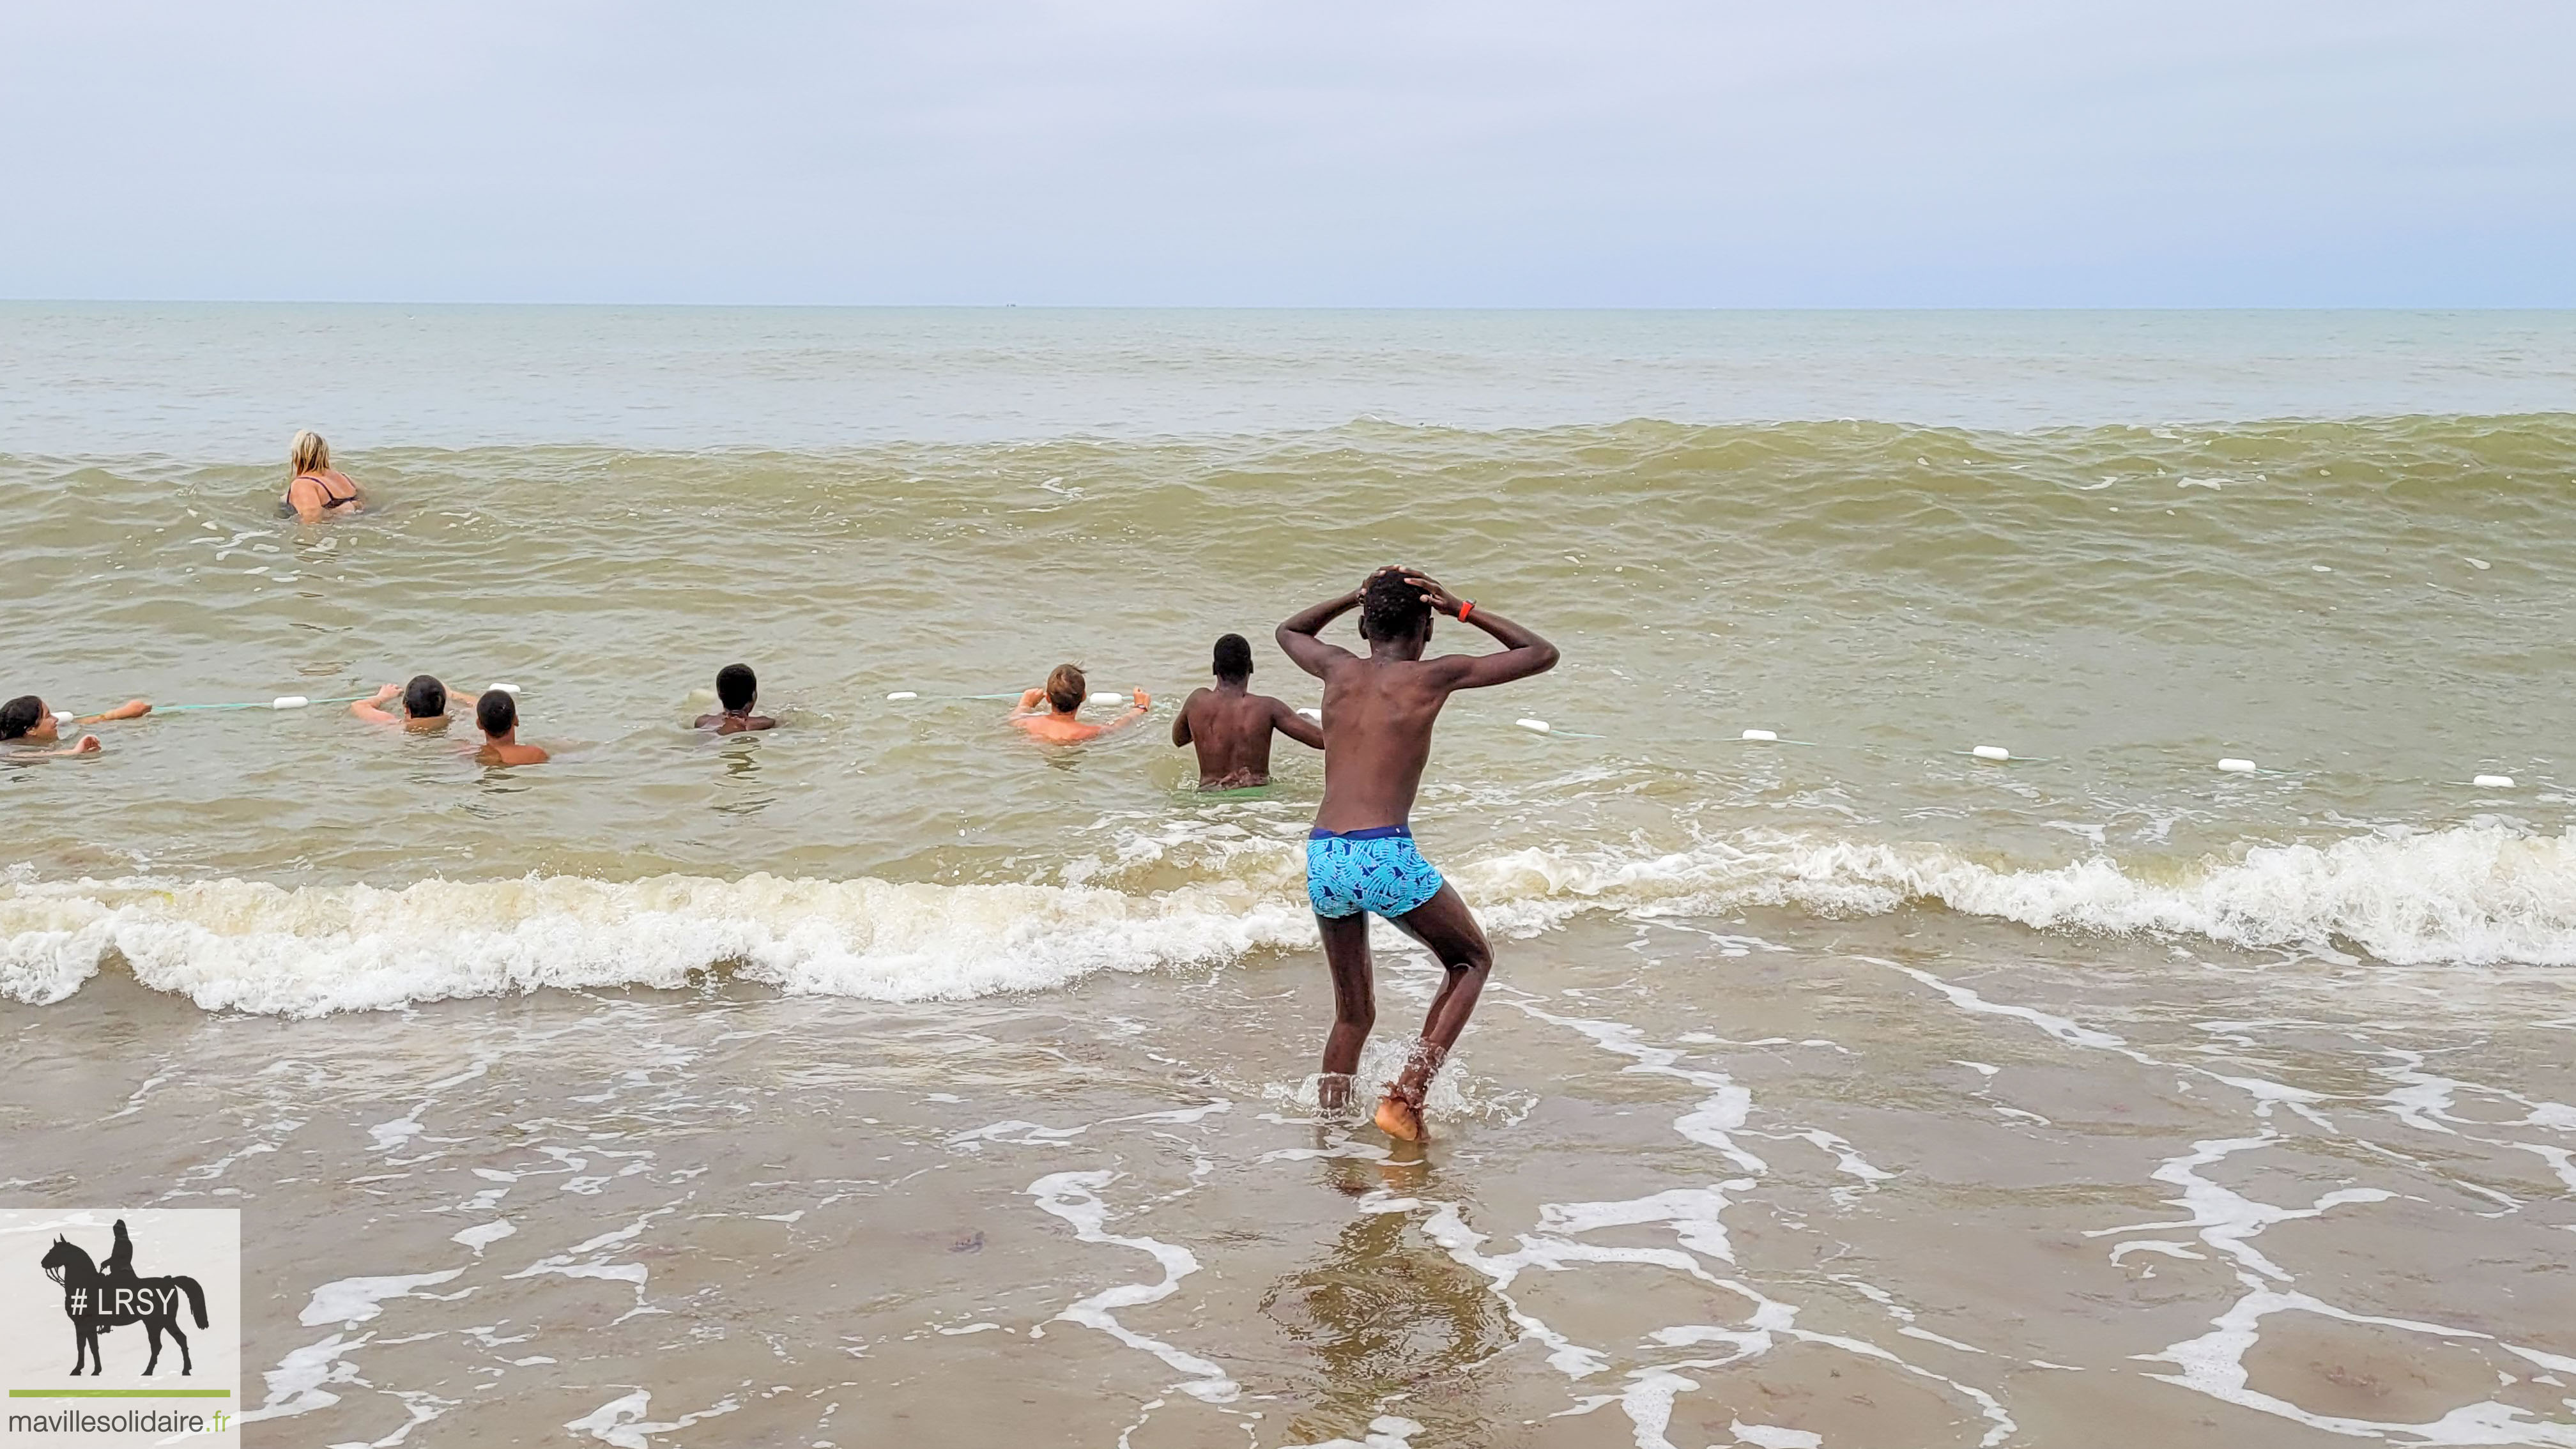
(330, 500)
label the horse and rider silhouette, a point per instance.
(96, 1301)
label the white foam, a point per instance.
(1386, 1431)
(2474, 895)
(1771, 1436)
(2214, 1364)
(620, 1422)
(1075, 1197)
(483, 1235)
(352, 1301)
(252, 946)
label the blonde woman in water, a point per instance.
(317, 490)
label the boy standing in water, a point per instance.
(1231, 725)
(1062, 697)
(737, 689)
(1360, 858)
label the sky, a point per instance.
(1370, 153)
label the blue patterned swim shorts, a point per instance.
(1367, 870)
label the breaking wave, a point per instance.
(2466, 896)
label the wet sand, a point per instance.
(1911, 1181)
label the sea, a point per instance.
(1905, 1030)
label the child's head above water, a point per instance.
(424, 697)
(20, 717)
(737, 687)
(496, 712)
(1066, 688)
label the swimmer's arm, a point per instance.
(1297, 636)
(85, 745)
(1135, 715)
(1028, 705)
(1181, 721)
(1524, 653)
(372, 710)
(131, 709)
(1296, 726)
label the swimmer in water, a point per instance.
(498, 713)
(424, 703)
(1048, 714)
(28, 720)
(1231, 726)
(737, 688)
(1360, 857)
(316, 490)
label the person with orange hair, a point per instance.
(1049, 714)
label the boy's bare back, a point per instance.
(1231, 729)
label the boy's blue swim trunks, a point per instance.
(1367, 870)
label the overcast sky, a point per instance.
(1296, 152)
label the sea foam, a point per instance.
(2463, 896)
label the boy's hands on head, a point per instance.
(1440, 599)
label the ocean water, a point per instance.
(1843, 1089)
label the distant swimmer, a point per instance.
(1360, 857)
(28, 720)
(737, 689)
(424, 704)
(317, 490)
(498, 713)
(1231, 726)
(1049, 714)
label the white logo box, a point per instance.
(182, 1261)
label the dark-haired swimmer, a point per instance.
(28, 720)
(1048, 714)
(498, 714)
(737, 689)
(424, 703)
(1360, 858)
(1231, 726)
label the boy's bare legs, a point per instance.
(1346, 953)
(1444, 924)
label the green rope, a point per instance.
(253, 704)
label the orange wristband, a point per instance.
(1465, 607)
